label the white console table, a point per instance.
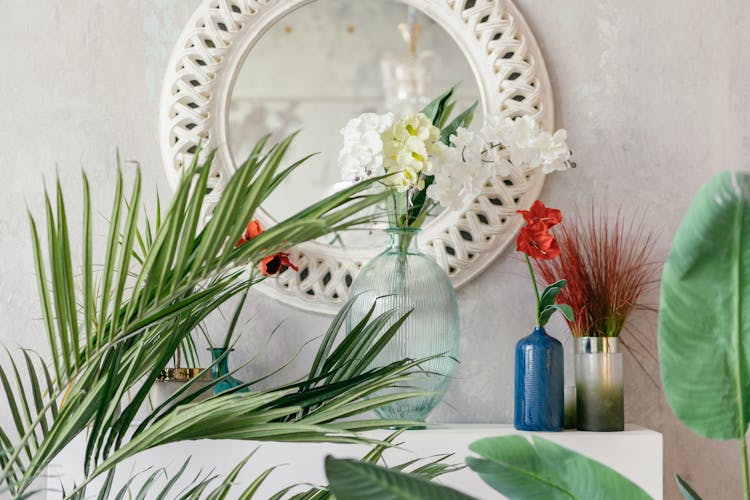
(636, 453)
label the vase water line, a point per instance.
(599, 384)
(539, 383)
(221, 369)
(404, 279)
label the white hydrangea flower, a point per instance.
(361, 156)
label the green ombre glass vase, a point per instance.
(599, 384)
(403, 278)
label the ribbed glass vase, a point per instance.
(404, 278)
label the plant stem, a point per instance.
(393, 209)
(422, 215)
(745, 474)
(536, 289)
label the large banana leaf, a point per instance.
(704, 314)
(546, 471)
(359, 480)
(704, 311)
(687, 491)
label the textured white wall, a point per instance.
(654, 95)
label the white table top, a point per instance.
(636, 453)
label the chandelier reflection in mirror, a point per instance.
(404, 78)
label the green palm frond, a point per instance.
(112, 335)
(161, 485)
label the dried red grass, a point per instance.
(606, 262)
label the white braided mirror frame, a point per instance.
(512, 81)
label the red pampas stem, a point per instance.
(606, 263)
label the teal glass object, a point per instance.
(220, 369)
(403, 278)
(539, 393)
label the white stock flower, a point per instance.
(502, 166)
(361, 156)
(446, 193)
(470, 145)
(528, 145)
(498, 130)
(415, 125)
(524, 144)
(408, 147)
(457, 180)
(554, 151)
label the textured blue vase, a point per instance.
(404, 279)
(539, 398)
(220, 369)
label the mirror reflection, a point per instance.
(326, 63)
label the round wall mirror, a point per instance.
(326, 63)
(245, 69)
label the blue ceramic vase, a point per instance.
(539, 398)
(221, 369)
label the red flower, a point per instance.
(540, 213)
(536, 242)
(252, 230)
(273, 264)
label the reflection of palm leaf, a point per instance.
(157, 285)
